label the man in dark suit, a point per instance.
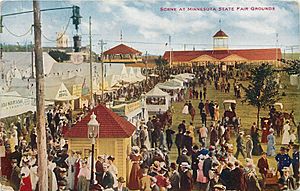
(178, 141)
(186, 179)
(16, 155)
(174, 178)
(187, 142)
(107, 180)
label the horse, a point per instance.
(278, 125)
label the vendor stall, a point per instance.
(157, 100)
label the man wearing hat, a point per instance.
(187, 142)
(283, 160)
(174, 177)
(219, 187)
(263, 167)
(121, 186)
(186, 179)
(249, 146)
(240, 145)
(107, 180)
(15, 175)
(287, 182)
(295, 161)
(183, 157)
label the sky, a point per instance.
(146, 25)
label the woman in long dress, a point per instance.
(271, 143)
(286, 134)
(113, 170)
(185, 109)
(25, 173)
(217, 112)
(257, 149)
(51, 167)
(134, 178)
(200, 176)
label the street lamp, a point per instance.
(143, 101)
(93, 129)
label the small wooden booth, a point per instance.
(114, 137)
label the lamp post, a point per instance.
(93, 129)
(143, 96)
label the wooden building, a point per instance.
(114, 137)
(222, 54)
(122, 54)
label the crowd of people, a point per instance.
(206, 158)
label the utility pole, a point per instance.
(146, 63)
(40, 100)
(32, 64)
(91, 64)
(170, 51)
(102, 43)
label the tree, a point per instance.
(161, 62)
(262, 90)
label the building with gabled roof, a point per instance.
(122, 54)
(114, 137)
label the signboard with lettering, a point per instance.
(77, 90)
(132, 107)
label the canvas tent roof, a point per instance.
(12, 104)
(22, 61)
(156, 92)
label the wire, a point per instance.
(16, 35)
(67, 26)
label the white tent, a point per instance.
(138, 73)
(156, 100)
(131, 75)
(12, 104)
(57, 91)
(171, 85)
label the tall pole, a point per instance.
(91, 64)
(40, 100)
(92, 162)
(170, 51)
(146, 68)
(32, 67)
(102, 71)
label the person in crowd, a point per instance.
(295, 162)
(15, 175)
(169, 135)
(186, 179)
(201, 179)
(249, 146)
(121, 185)
(134, 177)
(201, 104)
(145, 180)
(185, 109)
(182, 127)
(107, 180)
(187, 142)
(240, 145)
(112, 169)
(271, 143)
(286, 181)
(174, 178)
(71, 169)
(153, 184)
(203, 117)
(283, 160)
(257, 149)
(84, 177)
(179, 141)
(25, 184)
(263, 166)
(203, 133)
(286, 133)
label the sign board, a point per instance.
(132, 107)
(77, 90)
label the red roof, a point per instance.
(111, 125)
(249, 54)
(220, 33)
(121, 49)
